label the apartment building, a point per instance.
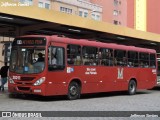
(118, 12)
(137, 14)
(153, 16)
(83, 8)
(147, 15)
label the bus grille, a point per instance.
(24, 88)
(27, 78)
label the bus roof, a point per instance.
(93, 43)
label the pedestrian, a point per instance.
(4, 74)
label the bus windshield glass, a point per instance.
(27, 60)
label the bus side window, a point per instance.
(106, 57)
(74, 55)
(90, 56)
(56, 58)
(152, 61)
(144, 60)
(132, 59)
(120, 57)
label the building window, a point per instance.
(115, 22)
(44, 4)
(61, 9)
(115, 12)
(115, 2)
(66, 10)
(47, 5)
(80, 13)
(22, 1)
(93, 16)
(30, 2)
(97, 17)
(69, 11)
(40, 4)
(89, 14)
(85, 14)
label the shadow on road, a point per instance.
(157, 88)
(37, 97)
(64, 98)
(110, 94)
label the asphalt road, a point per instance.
(144, 100)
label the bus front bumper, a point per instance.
(21, 89)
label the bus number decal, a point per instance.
(16, 77)
(91, 71)
(120, 73)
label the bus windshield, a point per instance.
(27, 60)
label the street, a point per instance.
(144, 100)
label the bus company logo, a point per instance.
(120, 73)
(70, 69)
(19, 42)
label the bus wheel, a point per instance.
(132, 86)
(73, 91)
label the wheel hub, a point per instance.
(73, 90)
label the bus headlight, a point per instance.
(39, 81)
(11, 81)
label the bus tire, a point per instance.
(132, 87)
(73, 91)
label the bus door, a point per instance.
(56, 74)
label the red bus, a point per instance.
(73, 67)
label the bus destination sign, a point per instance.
(29, 42)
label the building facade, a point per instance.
(114, 11)
(140, 14)
(147, 15)
(83, 8)
(153, 16)
(137, 14)
(130, 13)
